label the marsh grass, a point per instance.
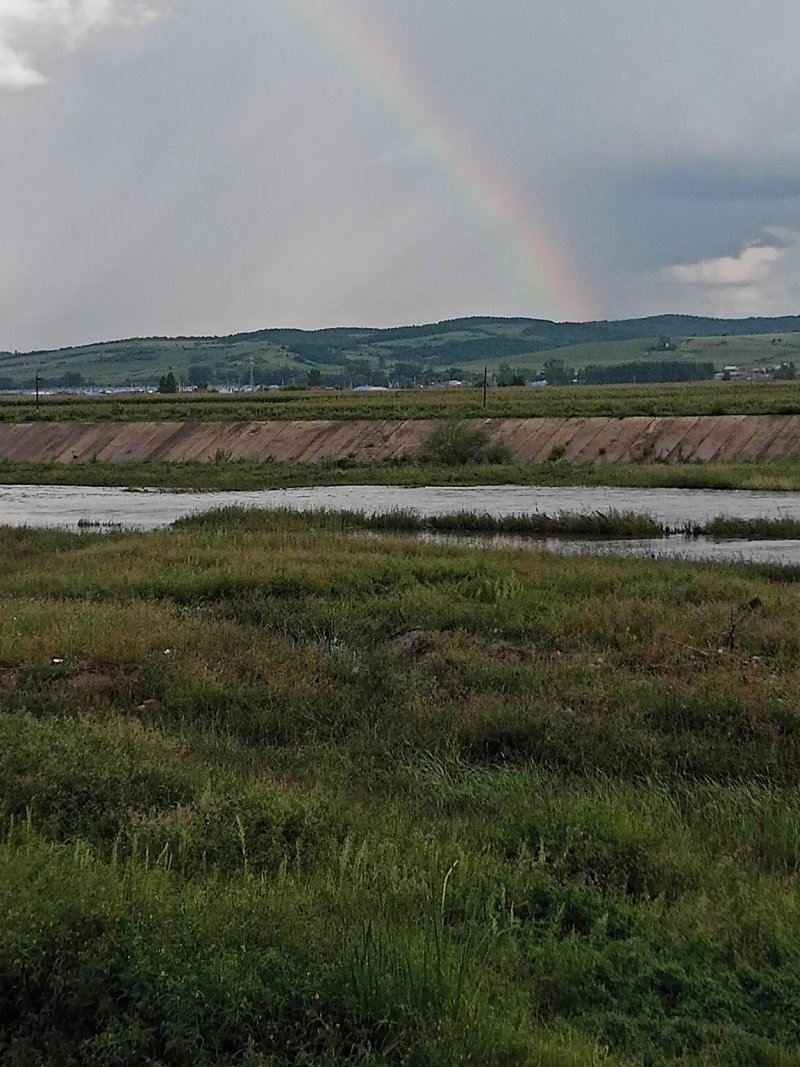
(274, 794)
(601, 524)
(535, 524)
(753, 529)
(772, 476)
(593, 524)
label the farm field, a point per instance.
(277, 794)
(746, 350)
(615, 401)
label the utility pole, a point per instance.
(36, 382)
(252, 374)
(485, 385)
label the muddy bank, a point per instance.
(700, 438)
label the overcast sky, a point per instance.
(194, 166)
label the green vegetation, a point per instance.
(620, 401)
(459, 443)
(222, 474)
(659, 370)
(754, 529)
(273, 794)
(600, 524)
(168, 383)
(615, 524)
(410, 355)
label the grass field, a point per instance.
(273, 794)
(748, 350)
(615, 401)
(607, 353)
(776, 476)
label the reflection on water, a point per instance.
(66, 506)
(78, 507)
(694, 548)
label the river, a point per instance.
(81, 507)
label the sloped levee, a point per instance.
(702, 438)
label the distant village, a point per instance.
(670, 368)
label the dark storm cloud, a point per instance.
(722, 180)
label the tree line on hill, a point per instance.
(657, 370)
(490, 340)
(556, 372)
(406, 355)
(537, 334)
(362, 372)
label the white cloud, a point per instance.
(15, 72)
(762, 279)
(755, 264)
(30, 27)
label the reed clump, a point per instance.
(611, 524)
(753, 529)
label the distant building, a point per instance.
(745, 374)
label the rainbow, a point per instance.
(544, 281)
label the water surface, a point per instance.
(76, 507)
(786, 553)
(69, 506)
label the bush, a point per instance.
(458, 442)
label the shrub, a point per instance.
(458, 442)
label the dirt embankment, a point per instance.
(702, 438)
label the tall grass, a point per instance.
(271, 794)
(776, 476)
(753, 529)
(536, 524)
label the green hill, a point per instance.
(407, 354)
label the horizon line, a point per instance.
(398, 326)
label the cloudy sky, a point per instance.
(194, 166)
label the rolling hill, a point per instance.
(456, 348)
